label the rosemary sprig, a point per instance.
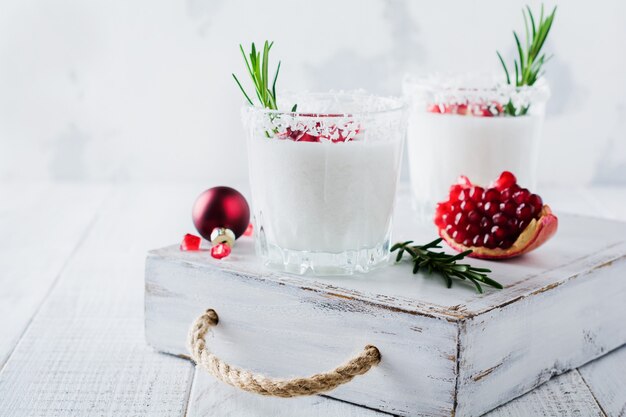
(446, 265)
(530, 65)
(257, 63)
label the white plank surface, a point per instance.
(564, 396)
(41, 227)
(124, 378)
(84, 353)
(606, 377)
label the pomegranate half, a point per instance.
(498, 222)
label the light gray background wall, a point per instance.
(123, 90)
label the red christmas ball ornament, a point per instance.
(221, 215)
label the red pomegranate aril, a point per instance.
(521, 196)
(505, 180)
(460, 220)
(455, 190)
(467, 206)
(485, 224)
(489, 241)
(498, 233)
(190, 242)
(476, 194)
(508, 208)
(524, 212)
(499, 219)
(439, 221)
(511, 224)
(491, 195)
(491, 208)
(477, 240)
(474, 217)
(220, 251)
(521, 225)
(472, 229)
(450, 229)
(506, 243)
(459, 236)
(535, 201)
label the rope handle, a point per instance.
(260, 384)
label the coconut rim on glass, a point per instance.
(317, 203)
(457, 126)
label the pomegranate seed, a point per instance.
(491, 195)
(474, 217)
(491, 208)
(467, 206)
(505, 180)
(489, 241)
(508, 208)
(499, 219)
(472, 229)
(522, 225)
(524, 212)
(506, 243)
(488, 217)
(476, 194)
(220, 251)
(535, 201)
(439, 218)
(460, 220)
(498, 233)
(249, 230)
(459, 236)
(485, 224)
(455, 190)
(463, 195)
(190, 242)
(521, 196)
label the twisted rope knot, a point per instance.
(260, 384)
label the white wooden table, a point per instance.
(71, 313)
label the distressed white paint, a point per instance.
(544, 291)
(540, 336)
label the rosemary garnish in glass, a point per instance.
(529, 67)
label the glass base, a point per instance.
(324, 263)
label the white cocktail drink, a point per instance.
(442, 147)
(324, 205)
(456, 129)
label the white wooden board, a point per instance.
(324, 320)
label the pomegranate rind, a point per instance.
(538, 232)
